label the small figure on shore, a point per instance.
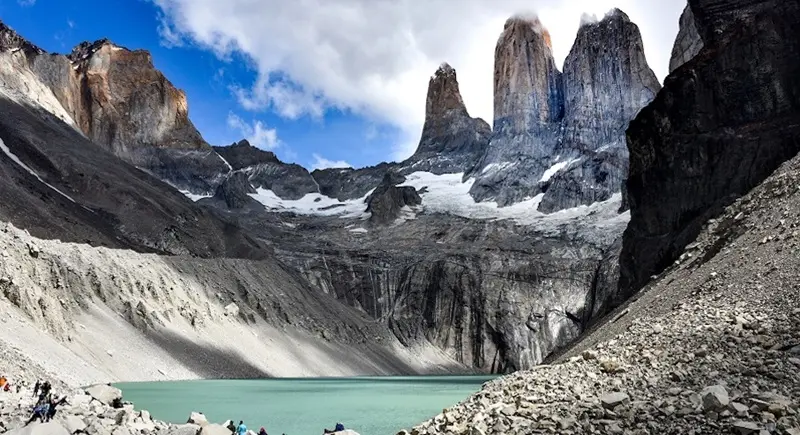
(262, 432)
(241, 429)
(339, 427)
(231, 426)
(36, 388)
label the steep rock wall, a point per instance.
(723, 122)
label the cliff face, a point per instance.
(562, 135)
(118, 99)
(688, 42)
(451, 140)
(724, 121)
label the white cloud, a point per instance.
(256, 133)
(323, 163)
(374, 57)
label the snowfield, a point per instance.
(445, 194)
(313, 204)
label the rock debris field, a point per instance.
(712, 346)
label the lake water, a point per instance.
(368, 405)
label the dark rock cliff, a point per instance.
(724, 121)
(387, 201)
(242, 155)
(562, 135)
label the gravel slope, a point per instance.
(711, 346)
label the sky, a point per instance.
(323, 83)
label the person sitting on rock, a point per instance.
(339, 427)
(39, 413)
(262, 431)
(51, 412)
(3, 381)
(231, 427)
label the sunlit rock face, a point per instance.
(562, 135)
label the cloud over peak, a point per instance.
(373, 57)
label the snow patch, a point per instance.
(359, 230)
(16, 160)
(194, 196)
(553, 170)
(497, 167)
(313, 204)
(230, 168)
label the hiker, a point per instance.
(241, 429)
(45, 388)
(36, 388)
(3, 381)
(231, 427)
(262, 432)
(39, 412)
(339, 428)
(51, 412)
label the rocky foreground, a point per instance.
(711, 346)
(98, 410)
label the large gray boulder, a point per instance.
(51, 428)
(105, 394)
(73, 423)
(214, 429)
(197, 418)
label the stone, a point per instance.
(105, 394)
(73, 423)
(745, 427)
(213, 429)
(613, 400)
(187, 429)
(738, 409)
(197, 418)
(51, 428)
(715, 398)
(232, 310)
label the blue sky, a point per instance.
(323, 81)
(59, 25)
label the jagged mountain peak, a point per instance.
(11, 40)
(242, 154)
(443, 94)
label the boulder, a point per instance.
(715, 398)
(198, 418)
(612, 400)
(186, 429)
(214, 429)
(73, 423)
(105, 393)
(51, 428)
(232, 310)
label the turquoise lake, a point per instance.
(368, 405)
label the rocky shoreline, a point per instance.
(96, 410)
